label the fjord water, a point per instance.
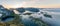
(55, 20)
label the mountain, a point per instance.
(33, 9)
(24, 16)
(4, 10)
(4, 13)
(30, 14)
(21, 10)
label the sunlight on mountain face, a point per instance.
(16, 12)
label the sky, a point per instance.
(30, 3)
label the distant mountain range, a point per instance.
(27, 14)
(20, 10)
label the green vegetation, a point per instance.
(39, 21)
(15, 22)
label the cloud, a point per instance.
(32, 3)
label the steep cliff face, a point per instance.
(4, 11)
